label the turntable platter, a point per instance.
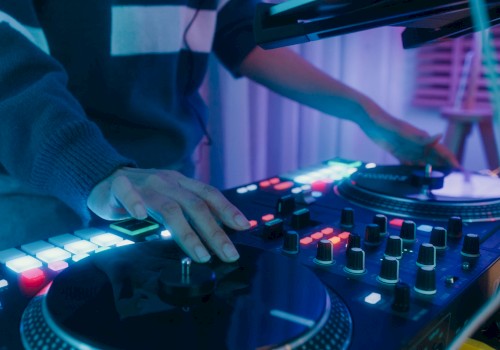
(263, 301)
(392, 190)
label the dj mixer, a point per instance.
(342, 255)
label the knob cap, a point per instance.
(394, 247)
(291, 242)
(381, 221)
(324, 252)
(401, 301)
(273, 229)
(389, 270)
(372, 235)
(285, 205)
(353, 241)
(347, 218)
(355, 261)
(426, 280)
(455, 227)
(438, 238)
(470, 247)
(408, 231)
(300, 218)
(426, 255)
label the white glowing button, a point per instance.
(106, 239)
(352, 171)
(252, 187)
(165, 234)
(79, 257)
(88, 233)
(124, 242)
(10, 254)
(306, 187)
(370, 165)
(35, 247)
(58, 265)
(53, 254)
(424, 228)
(24, 263)
(62, 240)
(102, 249)
(316, 194)
(296, 190)
(80, 247)
(373, 298)
(3, 284)
(242, 190)
(303, 179)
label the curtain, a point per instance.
(257, 134)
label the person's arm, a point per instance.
(47, 140)
(290, 75)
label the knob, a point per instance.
(372, 235)
(353, 241)
(438, 238)
(389, 270)
(426, 280)
(355, 261)
(401, 301)
(324, 252)
(347, 218)
(291, 242)
(426, 255)
(300, 218)
(394, 247)
(470, 247)
(285, 205)
(381, 221)
(273, 229)
(408, 231)
(455, 227)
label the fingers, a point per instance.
(125, 193)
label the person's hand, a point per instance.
(190, 209)
(410, 145)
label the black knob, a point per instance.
(372, 235)
(355, 261)
(347, 218)
(470, 247)
(300, 218)
(438, 238)
(273, 229)
(401, 301)
(426, 280)
(455, 227)
(324, 252)
(389, 270)
(408, 231)
(426, 255)
(353, 241)
(394, 247)
(285, 205)
(381, 221)
(291, 242)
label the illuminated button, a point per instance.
(327, 231)
(252, 187)
(24, 263)
(165, 234)
(296, 190)
(373, 298)
(3, 284)
(344, 235)
(35, 247)
(241, 190)
(424, 228)
(274, 181)
(264, 184)
(125, 242)
(88, 233)
(396, 222)
(319, 186)
(106, 239)
(10, 254)
(306, 240)
(57, 265)
(283, 186)
(101, 249)
(316, 194)
(53, 254)
(80, 247)
(253, 223)
(79, 257)
(334, 240)
(62, 240)
(317, 235)
(370, 165)
(268, 217)
(33, 278)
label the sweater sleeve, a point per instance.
(45, 137)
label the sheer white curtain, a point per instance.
(257, 134)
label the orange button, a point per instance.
(306, 240)
(264, 183)
(344, 235)
(267, 217)
(327, 231)
(317, 235)
(274, 181)
(334, 240)
(283, 186)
